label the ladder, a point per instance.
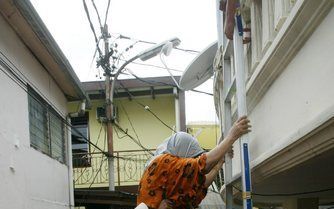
(234, 85)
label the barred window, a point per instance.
(46, 127)
(57, 137)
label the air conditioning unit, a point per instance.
(101, 114)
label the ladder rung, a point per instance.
(228, 50)
(230, 91)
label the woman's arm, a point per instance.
(239, 128)
(213, 173)
(215, 170)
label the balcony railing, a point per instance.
(91, 170)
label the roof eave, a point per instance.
(58, 66)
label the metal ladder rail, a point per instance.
(225, 112)
(233, 54)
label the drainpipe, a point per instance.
(70, 165)
(80, 112)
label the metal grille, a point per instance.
(57, 138)
(37, 124)
(129, 167)
(46, 127)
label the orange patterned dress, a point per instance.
(180, 180)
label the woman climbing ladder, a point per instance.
(180, 172)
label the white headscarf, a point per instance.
(180, 144)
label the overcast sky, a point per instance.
(192, 21)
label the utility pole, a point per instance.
(109, 108)
(110, 83)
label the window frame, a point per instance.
(48, 113)
(85, 160)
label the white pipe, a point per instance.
(70, 165)
(177, 110)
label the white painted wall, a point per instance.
(36, 180)
(297, 98)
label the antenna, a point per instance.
(200, 69)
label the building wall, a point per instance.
(206, 134)
(150, 131)
(29, 179)
(301, 94)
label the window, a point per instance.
(46, 127)
(256, 32)
(282, 9)
(268, 32)
(80, 146)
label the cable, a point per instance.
(146, 108)
(150, 42)
(176, 83)
(98, 171)
(119, 136)
(138, 140)
(188, 50)
(150, 65)
(96, 49)
(92, 27)
(98, 15)
(202, 92)
(159, 82)
(131, 124)
(152, 82)
(98, 138)
(164, 63)
(106, 16)
(289, 194)
(131, 137)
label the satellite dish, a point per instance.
(200, 69)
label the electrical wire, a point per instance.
(93, 57)
(288, 194)
(101, 27)
(119, 136)
(133, 139)
(167, 68)
(97, 142)
(202, 92)
(131, 124)
(146, 107)
(148, 81)
(98, 15)
(106, 15)
(176, 83)
(139, 142)
(93, 181)
(150, 42)
(92, 27)
(156, 66)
